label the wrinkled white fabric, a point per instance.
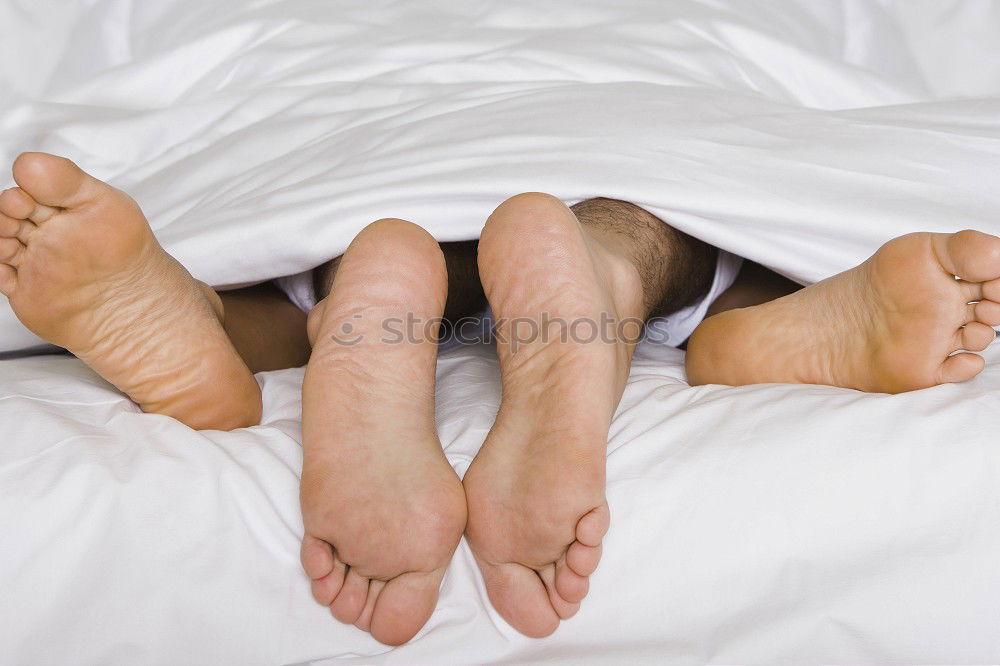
(259, 137)
(765, 524)
(762, 525)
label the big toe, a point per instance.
(521, 598)
(960, 367)
(403, 606)
(971, 255)
(52, 180)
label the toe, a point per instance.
(971, 291)
(564, 608)
(25, 230)
(16, 203)
(977, 336)
(10, 251)
(590, 530)
(971, 255)
(325, 589)
(960, 367)
(9, 226)
(321, 564)
(351, 599)
(404, 606)
(988, 312)
(991, 291)
(583, 559)
(8, 279)
(54, 181)
(570, 585)
(16, 228)
(519, 595)
(316, 556)
(364, 622)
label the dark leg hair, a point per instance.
(676, 269)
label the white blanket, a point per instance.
(259, 137)
(769, 524)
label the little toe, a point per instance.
(590, 529)
(977, 336)
(325, 589)
(570, 585)
(8, 279)
(519, 595)
(583, 559)
(351, 599)
(404, 606)
(960, 367)
(10, 251)
(316, 556)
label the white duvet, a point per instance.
(769, 524)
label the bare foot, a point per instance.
(890, 325)
(383, 510)
(82, 270)
(537, 509)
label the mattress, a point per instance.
(770, 524)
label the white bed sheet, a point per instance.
(766, 524)
(770, 524)
(800, 133)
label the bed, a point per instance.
(766, 524)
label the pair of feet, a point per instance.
(383, 510)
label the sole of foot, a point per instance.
(383, 509)
(905, 319)
(537, 508)
(82, 270)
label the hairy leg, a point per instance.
(675, 269)
(537, 510)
